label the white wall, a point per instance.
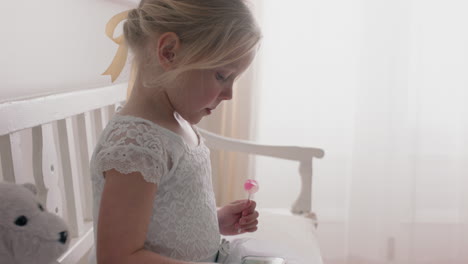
(55, 45)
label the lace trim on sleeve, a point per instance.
(128, 159)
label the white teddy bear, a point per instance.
(28, 233)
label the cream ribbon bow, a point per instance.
(115, 68)
(118, 63)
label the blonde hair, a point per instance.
(212, 33)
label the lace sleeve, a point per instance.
(128, 159)
(134, 148)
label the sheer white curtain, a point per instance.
(382, 87)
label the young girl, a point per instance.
(153, 197)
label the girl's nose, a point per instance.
(227, 93)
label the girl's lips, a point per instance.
(210, 109)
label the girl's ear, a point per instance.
(168, 46)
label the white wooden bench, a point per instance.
(49, 141)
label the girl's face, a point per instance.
(199, 92)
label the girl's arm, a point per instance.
(124, 216)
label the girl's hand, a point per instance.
(237, 215)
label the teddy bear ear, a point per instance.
(30, 187)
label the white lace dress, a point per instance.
(184, 222)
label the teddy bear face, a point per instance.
(30, 234)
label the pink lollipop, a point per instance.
(251, 187)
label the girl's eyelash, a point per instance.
(220, 77)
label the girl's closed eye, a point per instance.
(223, 76)
(220, 77)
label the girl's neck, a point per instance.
(154, 106)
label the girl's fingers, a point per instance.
(239, 201)
(250, 209)
(249, 218)
(250, 230)
(249, 225)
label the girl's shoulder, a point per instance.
(125, 130)
(129, 144)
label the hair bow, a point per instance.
(115, 68)
(118, 63)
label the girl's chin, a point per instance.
(196, 119)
